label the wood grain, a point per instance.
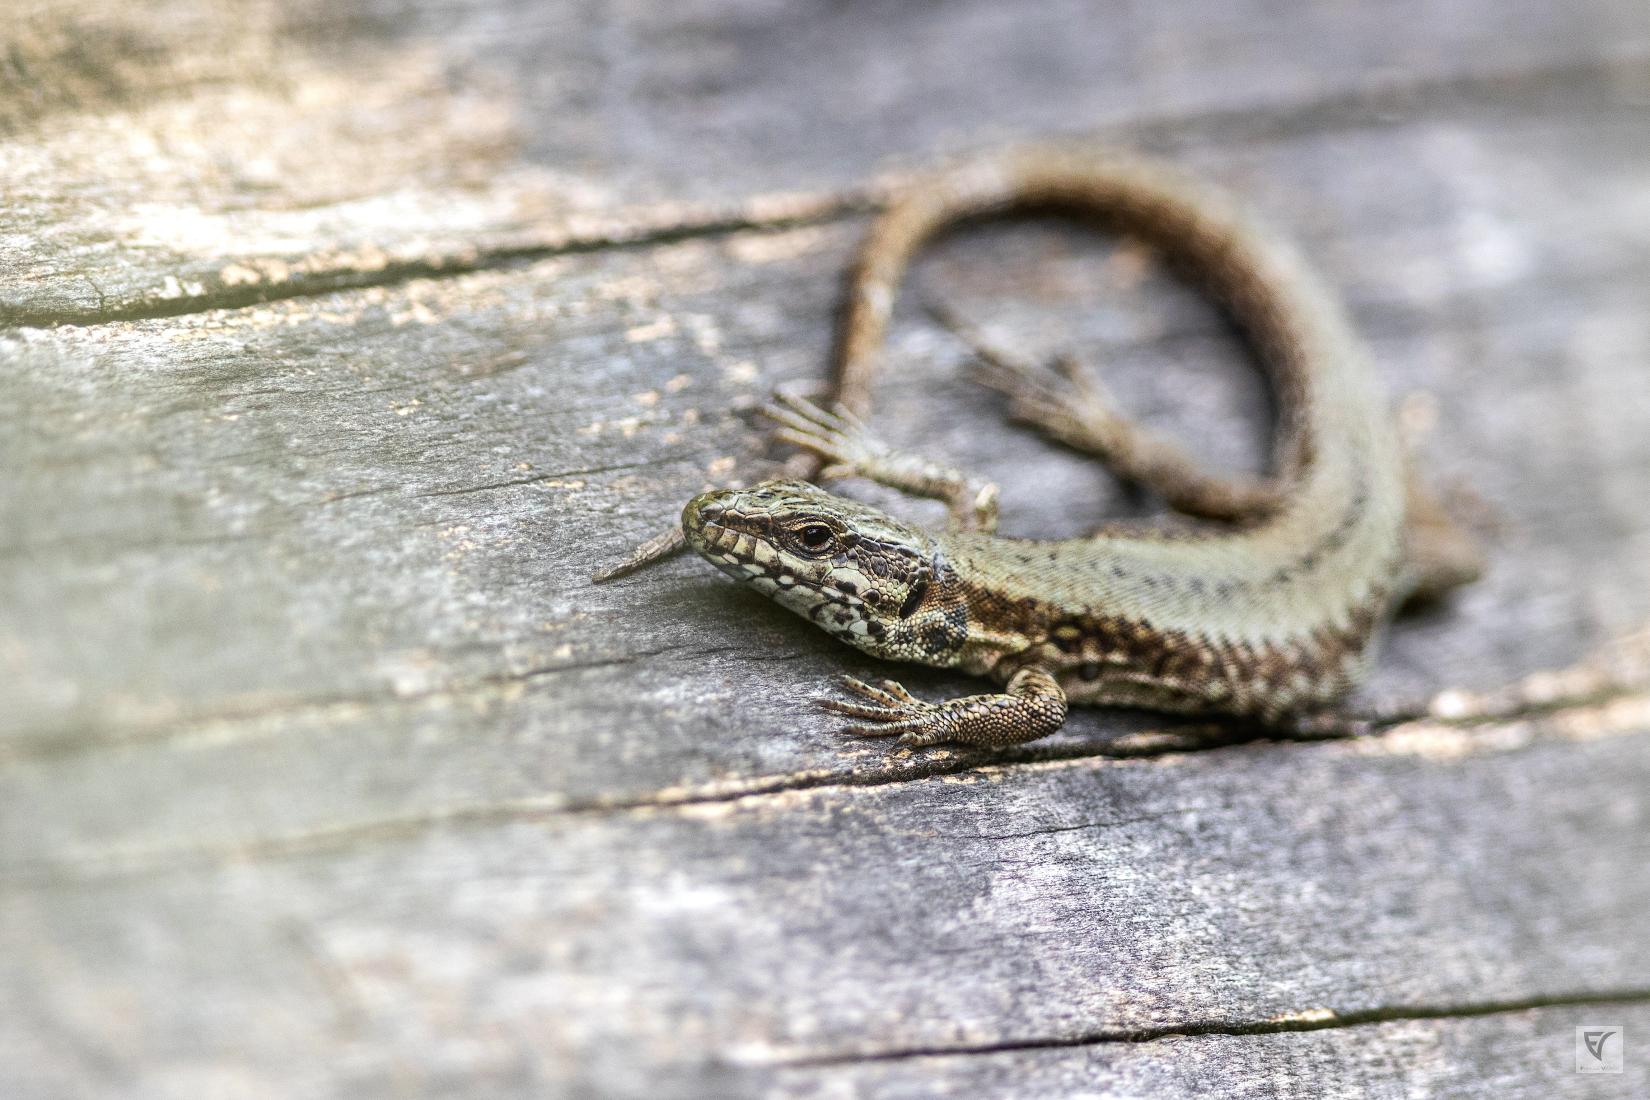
(166, 157)
(325, 772)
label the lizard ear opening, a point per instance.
(914, 600)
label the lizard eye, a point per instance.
(814, 538)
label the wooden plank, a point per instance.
(734, 943)
(165, 159)
(324, 772)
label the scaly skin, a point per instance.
(1274, 619)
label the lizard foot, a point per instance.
(836, 435)
(891, 712)
(1033, 707)
(1068, 404)
(1063, 400)
(842, 441)
(655, 549)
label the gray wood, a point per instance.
(734, 945)
(324, 771)
(250, 149)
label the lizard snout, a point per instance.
(703, 509)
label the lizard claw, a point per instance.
(1062, 399)
(891, 711)
(835, 435)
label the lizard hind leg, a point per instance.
(1068, 404)
(1440, 553)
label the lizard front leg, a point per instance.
(841, 439)
(1033, 706)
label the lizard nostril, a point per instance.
(701, 510)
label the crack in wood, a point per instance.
(1378, 105)
(810, 210)
(1313, 1020)
(1082, 826)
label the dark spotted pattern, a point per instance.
(1117, 659)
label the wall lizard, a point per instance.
(1274, 617)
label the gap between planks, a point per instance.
(1320, 1019)
(648, 227)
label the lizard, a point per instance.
(1275, 617)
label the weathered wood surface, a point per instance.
(324, 772)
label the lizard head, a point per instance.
(880, 585)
